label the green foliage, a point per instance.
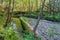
(2, 19)
(31, 14)
(51, 17)
(51, 31)
(2, 31)
(30, 36)
(25, 24)
(6, 0)
(18, 23)
(25, 19)
(9, 34)
(23, 5)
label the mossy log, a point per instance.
(22, 24)
(25, 25)
(18, 23)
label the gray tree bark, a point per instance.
(39, 15)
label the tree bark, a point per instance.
(40, 14)
(12, 5)
(50, 6)
(8, 14)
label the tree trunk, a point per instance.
(12, 5)
(8, 14)
(40, 14)
(50, 6)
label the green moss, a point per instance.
(25, 19)
(9, 34)
(25, 24)
(18, 23)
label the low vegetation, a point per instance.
(13, 22)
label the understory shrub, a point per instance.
(8, 34)
(30, 36)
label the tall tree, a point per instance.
(39, 15)
(8, 14)
(12, 5)
(50, 6)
